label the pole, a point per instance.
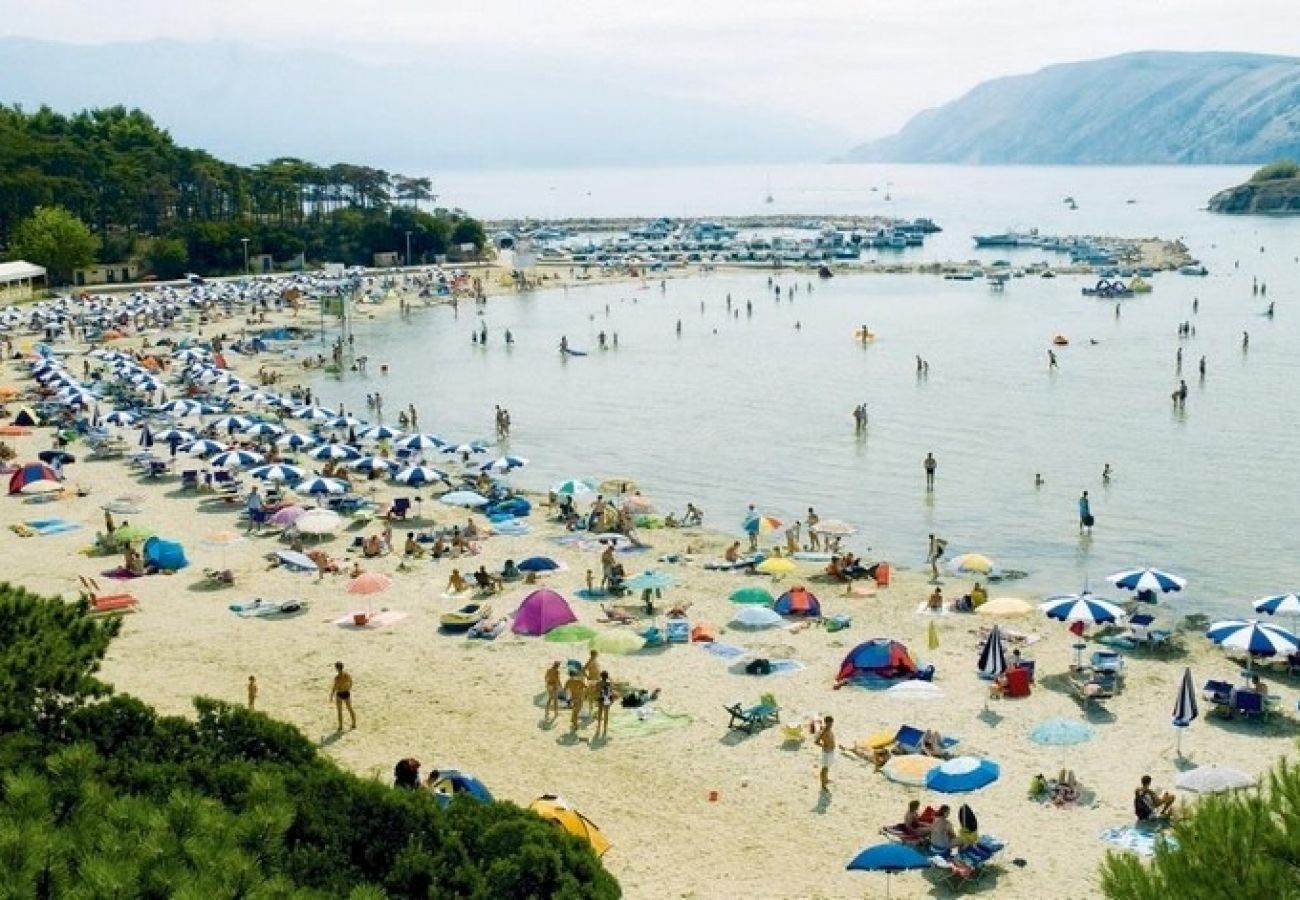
(408, 249)
(244, 241)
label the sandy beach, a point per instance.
(476, 705)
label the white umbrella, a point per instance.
(463, 498)
(1212, 780)
(42, 486)
(319, 521)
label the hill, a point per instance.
(423, 113)
(1138, 108)
(1273, 190)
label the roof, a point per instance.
(20, 271)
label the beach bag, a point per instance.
(759, 667)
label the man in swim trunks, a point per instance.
(826, 741)
(341, 694)
(553, 690)
(576, 687)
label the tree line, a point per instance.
(140, 195)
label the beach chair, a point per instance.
(755, 718)
(190, 480)
(678, 631)
(101, 603)
(1028, 665)
(901, 835)
(1250, 704)
(1219, 695)
(793, 734)
(1108, 661)
(400, 508)
(908, 740)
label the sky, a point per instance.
(862, 66)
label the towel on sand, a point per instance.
(1141, 841)
(726, 651)
(377, 620)
(645, 721)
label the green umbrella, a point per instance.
(570, 634)
(756, 595)
(129, 534)
(621, 642)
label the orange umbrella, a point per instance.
(369, 583)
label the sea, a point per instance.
(753, 405)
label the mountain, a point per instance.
(1150, 107)
(437, 110)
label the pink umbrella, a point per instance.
(283, 518)
(369, 583)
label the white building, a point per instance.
(18, 280)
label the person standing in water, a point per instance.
(1105, 474)
(1202, 367)
(1085, 513)
(1051, 359)
(1245, 340)
(931, 466)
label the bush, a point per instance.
(1279, 170)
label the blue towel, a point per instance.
(781, 666)
(1141, 841)
(726, 651)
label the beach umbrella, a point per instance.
(296, 441)
(1147, 580)
(570, 634)
(993, 655)
(539, 564)
(1253, 638)
(618, 486)
(286, 516)
(910, 769)
(264, 430)
(776, 566)
(975, 563)
(278, 472)
(573, 487)
(964, 773)
(222, 540)
(319, 521)
(834, 528)
(204, 447)
(1082, 607)
(341, 422)
(914, 691)
(190, 354)
(41, 486)
(168, 435)
(379, 433)
(761, 524)
(369, 583)
(620, 641)
(1212, 780)
(119, 417)
(319, 485)
(1061, 733)
(1185, 709)
(418, 475)
(505, 463)
(650, 580)
(890, 859)
(756, 617)
(182, 408)
(463, 498)
(236, 459)
(1280, 605)
(231, 423)
(638, 505)
(313, 414)
(61, 457)
(753, 595)
(335, 452)
(146, 436)
(419, 442)
(1004, 606)
(130, 534)
(368, 464)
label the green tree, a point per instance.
(56, 239)
(168, 257)
(1278, 170)
(469, 231)
(1244, 844)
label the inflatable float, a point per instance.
(466, 617)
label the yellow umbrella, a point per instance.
(1004, 606)
(776, 565)
(618, 486)
(932, 637)
(973, 562)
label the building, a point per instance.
(18, 280)
(387, 260)
(107, 273)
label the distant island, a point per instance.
(1138, 108)
(1273, 190)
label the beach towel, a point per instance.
(645, 721)
(377, 620)
(52, 526)
(1141, 841)
(593, 594)
(811, 556)
(462, 595)
(721, 565)
(259, 608)
(724, 650)
(774, 667)
(924, 610)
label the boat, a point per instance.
(1008, 239)
(1060, 340)
(1106, 288)
(1194, 269)
(466, 617)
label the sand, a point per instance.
(450, 701)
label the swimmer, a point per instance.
(1105, 474)
(1038, 480)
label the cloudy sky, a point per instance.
(864, 66)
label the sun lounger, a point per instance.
(1250, 704)
(966, 865)
(899, 833)
(1091, 689)
(101, 603)
(908, 740)
(755, 718)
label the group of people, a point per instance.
(586, 685)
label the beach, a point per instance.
(692, 808)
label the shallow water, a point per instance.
(752, 409)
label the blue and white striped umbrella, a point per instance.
(263, 430)
(320, 485)
(1147, 580)
(418, 475)
(993, 655)
(119, 417)
(236, 459)
(257, 397)
(203, 447)
(420, 442)
(379, 433)
(1279, 605)
(370, 464)
(463, 498)
(1084, 607)
(341, 422)
(1254, 638)
(574, 487)
(231, 423)
(278, 472)
(1185, 709)
(313, 414)
(505, 463)
(146, 436)
(335, 452)
(296, 441)
(190, 353)
(182, 408)
(168, 435)
(964, 773)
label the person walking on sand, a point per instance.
(553, 691)
(814, 538)
(604, 695)
(932, 554)
(341, 695)
(931, 466)
(1085, 513)
(576, 688)
(825, 740)
(252, 692)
